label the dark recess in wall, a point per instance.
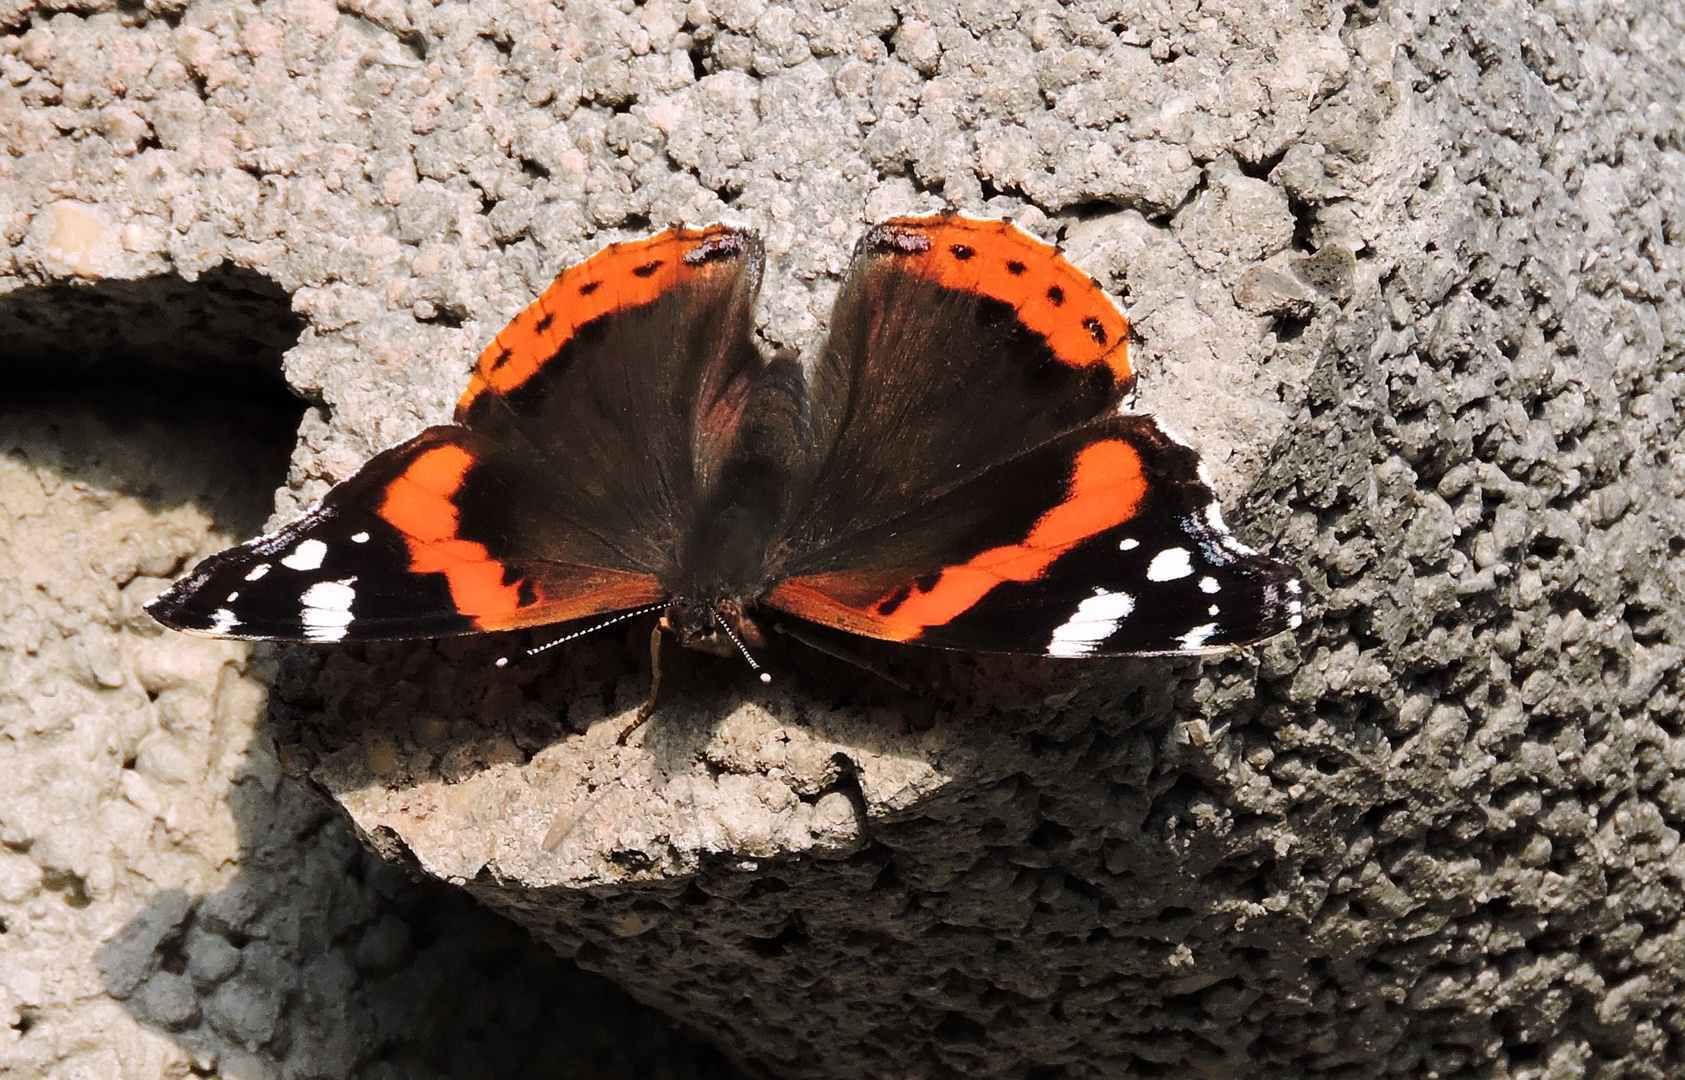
(222, 336)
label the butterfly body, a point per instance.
(954, 466)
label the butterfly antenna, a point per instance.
(766, 676)
(503, 661)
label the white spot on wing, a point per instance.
(1095, 620)
(233, 596)
(1209, 585)
(1198, 636)
(326, 609)
(360, 538)
(1212, 610)
(1170, 564)
(257, 571)
(223, 620)
(1128, 545)
(306, 556)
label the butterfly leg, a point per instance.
(648, 707)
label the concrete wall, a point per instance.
(1408, 274)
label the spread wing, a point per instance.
(589, 428)
(981, 490)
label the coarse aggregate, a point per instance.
(1407, 273)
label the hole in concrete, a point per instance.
(1290, 327)
(136, 385)
(172, 952)
(793, 933)
(219, 336)
(25, 1021)
(448, 315)
(1050, 835)
(957, 1028)
(75, 890)
(1261, 169)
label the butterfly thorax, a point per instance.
(724, 558)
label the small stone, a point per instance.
(384, 947)
(835, 823)
(211, 958)
(1329, 271)
(167, 999)
(243, 1010)
(1264, 291)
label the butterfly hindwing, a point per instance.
(1103, 542)
(948, 352)
(624, 384)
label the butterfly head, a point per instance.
(720, 627)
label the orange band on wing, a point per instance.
(621, 276)
(998, 260)
(419, 504)
(1105, 490)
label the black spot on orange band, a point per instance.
(617, 278)
(997, 260)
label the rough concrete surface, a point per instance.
(1409, 274)
(169, 903)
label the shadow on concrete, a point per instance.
(317, 959)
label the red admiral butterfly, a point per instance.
(953, 468)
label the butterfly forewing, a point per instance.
(931, 373)
(391, 553)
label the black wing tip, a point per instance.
(1251, 601)
(181, 607)
(1280, 610)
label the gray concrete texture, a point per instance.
(1409, 275)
